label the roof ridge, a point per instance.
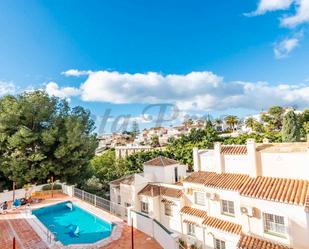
(250, 242)
(223, 225)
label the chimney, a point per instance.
(252, 158)
(218, 158)
(196, 160)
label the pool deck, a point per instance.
(13, 224)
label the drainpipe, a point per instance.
(181, 223)
(249, 227)
(204, 242)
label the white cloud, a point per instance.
(301, 16)
(271, 5)
(285, 47)
(6, 88)
(196, 91)
(76, 73)
(150, 87)
(53, 89)
(296, 13)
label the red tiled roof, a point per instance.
(150, 190)
(128, 180)
(223, 225)
(160, 161)
(165, 201)
(227, 181)
(234, 149)
(250, 242)
(291, 191)
(156, 190)
(194, 212)
(210, 221)
(171, 192)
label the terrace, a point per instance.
(18, 224)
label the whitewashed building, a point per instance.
(253, 196)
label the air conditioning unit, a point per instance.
(250, 211)
(244, 210)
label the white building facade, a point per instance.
(239, 196)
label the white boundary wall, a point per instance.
(154, 229)
(19, 193)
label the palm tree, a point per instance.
(250, 123)
(231, 121)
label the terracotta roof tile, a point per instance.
(161, 161)
(307, 204)
(156, 190)
(194, 212)
(234, 149)
(165, 201)
(227, 181)
(250, 242)
(128, 180)
(223, 225)
(150, 190)
(291, 191)
(171, 192)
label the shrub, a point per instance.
(49, 186)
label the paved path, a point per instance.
(26, 237)
(141, 241)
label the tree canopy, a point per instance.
(231, 121)
(41, 136)
(290, 128)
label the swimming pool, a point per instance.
(72, 224)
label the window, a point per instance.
(219, 244)
(168, 209)
(274, 224)
(227, 207)
(119, 199)
(144, 207)
(199, 198)
(191, 229)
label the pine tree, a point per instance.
(41, 136)
(290, 128)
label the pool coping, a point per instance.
(41, 229)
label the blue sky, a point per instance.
(204, 56)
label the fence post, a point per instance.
(83, 195)
(95, 200)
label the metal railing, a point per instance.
(104, 204)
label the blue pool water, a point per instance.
(73, 226)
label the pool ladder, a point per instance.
(50, 233)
